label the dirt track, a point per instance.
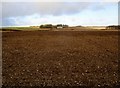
(58, 58)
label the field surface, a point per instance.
(60, 58)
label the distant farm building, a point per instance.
(59, 26)
(113, 27)
(62, 26)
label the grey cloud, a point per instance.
(0, 14)
(12, 9)
(7, 22)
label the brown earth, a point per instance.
(60, 58)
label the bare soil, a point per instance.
(60, 58)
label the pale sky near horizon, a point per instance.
(71, 13)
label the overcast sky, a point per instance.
(71, 13)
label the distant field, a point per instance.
(60, 58)
(18, 29)
(88, 28)
(96, 27)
